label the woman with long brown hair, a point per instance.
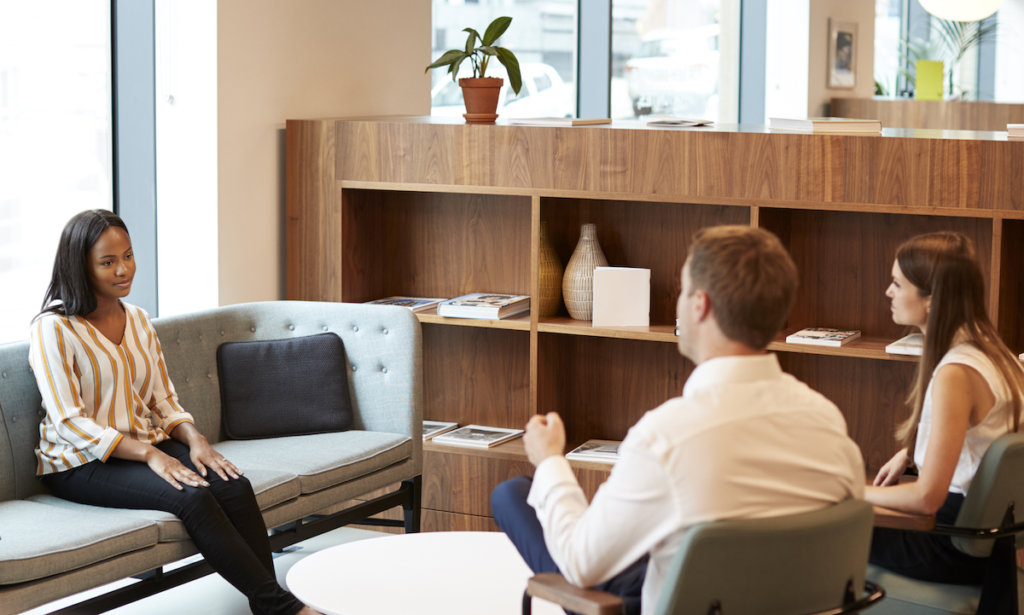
(968, 392)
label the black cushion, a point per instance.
(292, 386)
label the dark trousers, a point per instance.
(223, 519)
(519, 521)
(928, 557)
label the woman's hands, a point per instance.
(890, 473)
(202, 454)
(172, 470)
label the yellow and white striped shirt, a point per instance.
(96, 392)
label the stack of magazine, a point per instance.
(477, 436)
(602, 451)
(823, 336)
(416, 304)
(484, 305)
(436, 428)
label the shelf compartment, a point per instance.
(845, 263)
(649, 235)
(869, 393)
(476, 375)
(602, 386)
(1011, 288)
(433, 244)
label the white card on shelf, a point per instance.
(622, 297)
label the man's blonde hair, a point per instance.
(749, 277)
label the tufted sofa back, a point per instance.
(382, 344)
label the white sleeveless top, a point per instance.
(997, 422)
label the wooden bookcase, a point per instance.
(415, 206)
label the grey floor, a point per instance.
(211, 595)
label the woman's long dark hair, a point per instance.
(943, 266)
(70, 292)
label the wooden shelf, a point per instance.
(432, 207)
(520, 322)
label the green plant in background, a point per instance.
(950, 41)
(480, 55)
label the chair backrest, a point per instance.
(800, 563)
(997, 485)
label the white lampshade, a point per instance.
(961, 10)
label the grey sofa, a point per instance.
(305, 485)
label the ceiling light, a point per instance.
(961, 10)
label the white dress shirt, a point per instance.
(96, 392)
(997, 422)
(744, 440)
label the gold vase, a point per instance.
(578, 282)
(551, 270)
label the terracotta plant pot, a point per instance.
(481, 96)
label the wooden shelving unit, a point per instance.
(422, 207)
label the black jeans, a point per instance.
(928, 557)
(223, 519)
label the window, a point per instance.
(55, 139)
(676, 57)
(543, 37)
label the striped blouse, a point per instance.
(96, 392)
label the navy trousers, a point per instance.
(519, 521)
(223, 519)
(928, 557)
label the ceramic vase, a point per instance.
(551, 270)
(578, 282)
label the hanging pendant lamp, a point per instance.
(961, 10)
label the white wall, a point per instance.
(786, 58)
(1009, 86)
(861, 12)
(298, 59)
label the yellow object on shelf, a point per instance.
(928, 82)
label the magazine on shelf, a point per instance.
(1015, 131)
(560, 121)
(478, 436)
(416, 304)
(603, 451)
(492, 306)
(436, 428)
(826, 124)
(823, 336)
(912, 344)
(671, 120)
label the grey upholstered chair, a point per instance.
(795, 564)
(988, 512)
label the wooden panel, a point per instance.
(845, 263)
(453, 482)
(441, 521)
(312, 212)
(1011, 286)
(601, 386)
(718, 164)
(654, 236)
(434, 245)
(870, 394)
(935, 114)
(476, 375)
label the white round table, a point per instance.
(450, 573)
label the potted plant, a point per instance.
(480, 92)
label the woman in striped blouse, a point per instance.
(114, 433)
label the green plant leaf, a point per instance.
(488, 50)
(511, 64)
(447, 58)
(471, 40)
(495, 30)
(454, 68)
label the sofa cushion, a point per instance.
(271, 487)
(284, 387)
(320, 460)
(37, 540)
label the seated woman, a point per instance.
(967, 393)
(114, 433)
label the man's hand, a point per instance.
(544, 437)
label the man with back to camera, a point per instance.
(744, 440)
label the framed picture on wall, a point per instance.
(842, 54)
